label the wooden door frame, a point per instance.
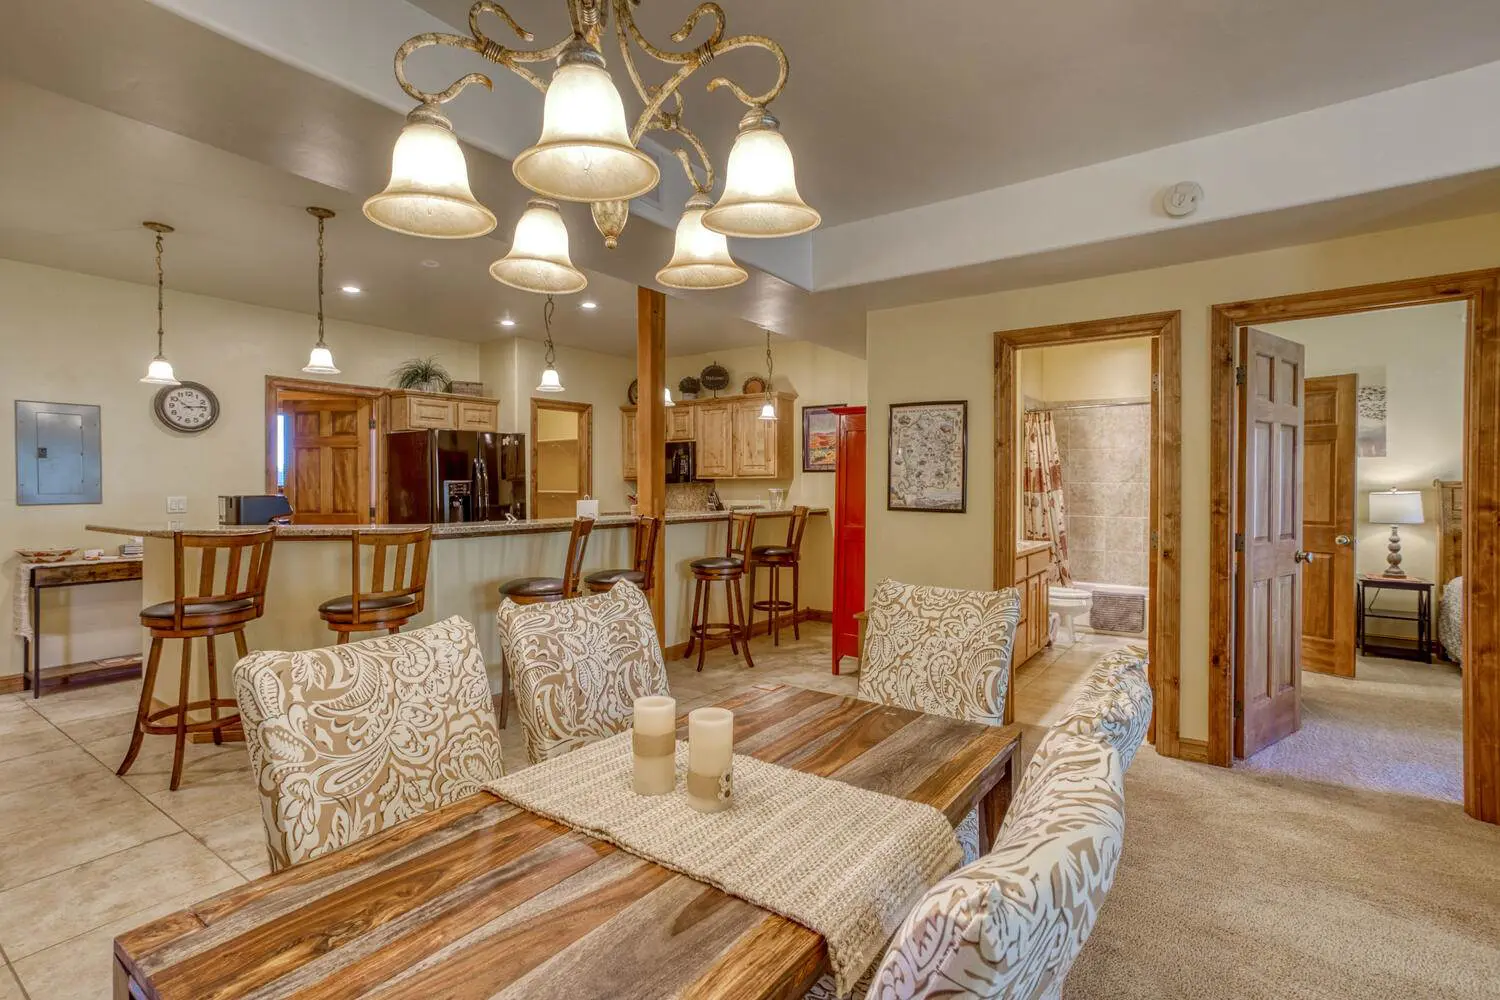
(585, 446)
(1481, 474)
(1166, 446)
(277, 384)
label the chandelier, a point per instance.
(587, 152)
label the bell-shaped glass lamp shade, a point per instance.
(428, 194)
(538, 260)
(159, 372)
(700, 257)
(760, 196)
(768, 411)
(320, 362)
(585, 153)
(666, 392)
(550, 382)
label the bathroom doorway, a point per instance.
(562, 435)
(1088, 492)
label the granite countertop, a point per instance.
(478, 529)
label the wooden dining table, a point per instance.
(482, 899)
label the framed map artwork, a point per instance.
(927, 461)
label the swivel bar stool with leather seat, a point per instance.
(394, 592)
(545, 590)
(728, 569)
(777, 558)
(643, 562)
(203, 610)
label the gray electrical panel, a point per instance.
(57, 453)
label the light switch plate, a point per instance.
(174, 525)
(176, 505)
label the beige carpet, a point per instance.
(1334, 866)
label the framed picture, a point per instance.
(820, 438)
(927, 464)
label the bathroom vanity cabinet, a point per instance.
(1033, 563)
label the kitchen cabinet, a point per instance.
(732, 442)
(421, 411)
(755, 440)
(629, 465)
(477, 415)
(715, 436)
(681, 425)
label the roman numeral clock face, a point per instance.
(189, 407)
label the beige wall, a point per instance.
(74, 338)
(945, 350)
(1112, 369)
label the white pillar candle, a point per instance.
(710, 758)
(655, 745)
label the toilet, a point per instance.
(1069, 604)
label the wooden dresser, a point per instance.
(1033, 560)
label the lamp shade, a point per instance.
(320, 362)
(700, 256)
(538, 260)
(585, 153)
(1396, 507)
(760, 196)
(159, 372)
(666, 392)
(768, 411)
(428, 194)
(550, 382)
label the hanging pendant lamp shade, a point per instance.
(159, 371)
(760, 196)
(550, 381)
(768, 409)
(585, 152)
(700, 256)
(428, 194)
(320, 359)
(666, 391)
(538, 260)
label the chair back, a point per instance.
(741, 537)
(397, 567)
(938, 650)
(341, 751)
(576, 667)
(578, 543)
(1012, 923)
(246, 566)
(646, 530)
(795, 529)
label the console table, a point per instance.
(1419, 648)
(33, 578)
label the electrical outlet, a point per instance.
(175, 524)
(176, 505)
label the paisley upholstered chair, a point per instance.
(941, 651)
(1012, 923)
(577, 666)
(349, 740)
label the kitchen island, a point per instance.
(469, 562)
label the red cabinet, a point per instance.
(849, 533)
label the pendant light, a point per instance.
(700, 256)
(428, 193)
(760, 196)
(585, 152)
(666, 391)
(550, 382)
(768, 411)
(320, 361)
(159, 372)
(538, 260)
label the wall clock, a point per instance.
(189, 407)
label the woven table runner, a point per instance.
(845, 862)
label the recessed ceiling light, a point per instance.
(352, 289)
(507, 321)
(429, 262)
(588, 304)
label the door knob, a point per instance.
(1304, 557)
(1343, 540)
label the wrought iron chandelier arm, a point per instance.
(707, 184)
(481, 44)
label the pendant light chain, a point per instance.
(160, 285)
(770, 365)
(322, 257)
(547, 311)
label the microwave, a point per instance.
(682, 461)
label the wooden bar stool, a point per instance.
(728, 569)
(397, 588)
(643, 563)
(544, 590)
(777, 558)
(206, 610)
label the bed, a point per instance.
(1450, 625)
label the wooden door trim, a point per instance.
(1481, 518)
(585, 412)
(312, 388)
(1166, 446)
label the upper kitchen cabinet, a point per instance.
(714, 433)
(732, 442)
(438, 411)
(762, 448)
(681, 425)
(629, 464)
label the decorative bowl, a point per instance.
(44, 555)
(754, 385)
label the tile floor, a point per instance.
(87, 855)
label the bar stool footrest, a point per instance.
(154, 727)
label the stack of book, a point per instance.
(132, 549)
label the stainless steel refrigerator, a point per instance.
(441, 477)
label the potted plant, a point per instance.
(424, 374)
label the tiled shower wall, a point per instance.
(1106, 462)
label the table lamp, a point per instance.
(1395, 507)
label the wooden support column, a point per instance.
(651, 433)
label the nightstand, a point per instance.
(1419, 648)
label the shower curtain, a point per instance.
(1045, 513)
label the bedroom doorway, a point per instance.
(1433, 347)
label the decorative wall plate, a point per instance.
(634, 392)
(754, 386)
(715, 377)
